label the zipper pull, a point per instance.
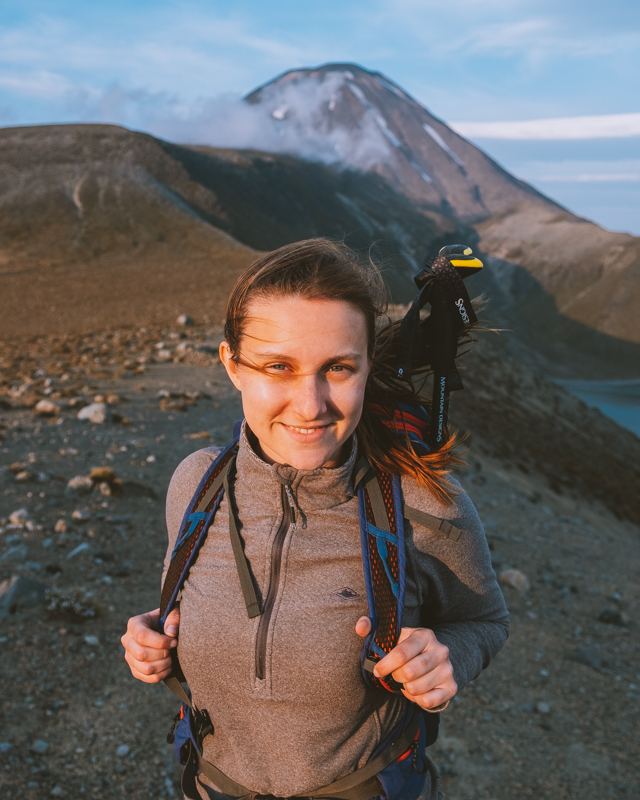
(287, 490)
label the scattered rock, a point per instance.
(16, 555)
(5, 747)
(172, 405)
(113, 399)
(542, 707)
(150, 459)
(105, 489)
(103, 474)
(198, 435)
(612, 616)
(40, 747)
(80, 515)
(515, 579)
(70, 605)
(81, 484)
(19, 592)
(25, 475)
(184, 319)
(81, 548)
(19, 517)
(97, 413)
(46, 408)
(122, 750)
(92, 641)
(60, 526)
(57, 791)
(591, 655)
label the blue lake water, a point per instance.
(619, 400)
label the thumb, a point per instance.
(363, 626)
(172, 623)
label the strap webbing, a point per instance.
(377, 504)
(244, 573)
(360, 470)
(434, 523)
(361, 784)
(174, 685)
(213, 489)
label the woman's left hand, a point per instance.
(420, 662)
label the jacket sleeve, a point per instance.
(458, 593)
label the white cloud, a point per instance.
(36, 84)
(586, 177)
(588, 127)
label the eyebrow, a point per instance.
(273, 356)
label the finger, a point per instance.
(440, 677)
(363, 626)
(434, 698)
(172, 623)
(422, 664)
(146, 654)
(148, 667)
(141, 630)
(155, 678)
(415, 642)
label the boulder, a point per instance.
(97, 413)
(81, 484)
(19, 592)
(515, 579)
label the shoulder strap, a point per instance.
(193, 530)
(434, 523)
(384, 562)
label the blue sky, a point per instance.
(469, 62)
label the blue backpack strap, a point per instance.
(384, 561)
(193, 530)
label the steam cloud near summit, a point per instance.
(270, 125)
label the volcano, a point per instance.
(362, 120)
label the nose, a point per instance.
(309, 400)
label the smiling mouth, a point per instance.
(307, 431)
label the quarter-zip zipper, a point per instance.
(288, 515)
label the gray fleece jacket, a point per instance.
(284, 690)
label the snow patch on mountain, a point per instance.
(433, 133)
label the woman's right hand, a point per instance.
(147, 652)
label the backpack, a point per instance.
(397, 768)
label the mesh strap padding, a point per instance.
(194, 528)
(384, 565)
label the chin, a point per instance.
(308, 461)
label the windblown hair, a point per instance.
(321, 269)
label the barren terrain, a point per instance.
(556, 714)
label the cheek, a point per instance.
(261, 398)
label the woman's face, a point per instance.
(302, 371)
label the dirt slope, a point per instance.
(555, 714)
(593, 274)
(103, 226)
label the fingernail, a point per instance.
(172, 630)
(375, 672)
(173, 643)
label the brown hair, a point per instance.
(327, 270)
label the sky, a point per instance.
(549, 88)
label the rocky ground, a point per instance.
(82, 539)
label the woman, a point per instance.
(285, 690)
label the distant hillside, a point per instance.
(593, 274)
(100, 225)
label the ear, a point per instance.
(229, 364)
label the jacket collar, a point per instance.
(313, 489)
